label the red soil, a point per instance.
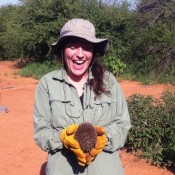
(19, 154)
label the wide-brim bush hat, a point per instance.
(83, 29)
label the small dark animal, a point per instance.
(86, 136)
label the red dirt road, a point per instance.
(19, 155)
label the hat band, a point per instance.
(72, 33)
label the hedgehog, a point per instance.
(86, 136)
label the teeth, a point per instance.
(79, 62)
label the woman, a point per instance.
(81, 91)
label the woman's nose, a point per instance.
(80, 52)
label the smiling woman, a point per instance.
(81, 91)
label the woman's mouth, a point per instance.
(78, 62)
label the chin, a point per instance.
(79, 73)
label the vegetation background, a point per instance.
(142, 47)
(142, 39)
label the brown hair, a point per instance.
(97, 83)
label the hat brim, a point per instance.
(100, 45)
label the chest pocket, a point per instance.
(64, 111)
(58, 101)
(103, 110)
(59, 116)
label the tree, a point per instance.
(153, 45)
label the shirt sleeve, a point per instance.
(118, 128)
(45, 136)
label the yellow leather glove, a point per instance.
(67, 137)
(100, 144)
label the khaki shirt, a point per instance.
(57, 105)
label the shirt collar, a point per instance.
(61, 75)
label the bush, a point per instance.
(153, 128)
(37, 70)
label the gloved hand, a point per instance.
(101, 141)
(67, 137)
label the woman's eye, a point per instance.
(73, 46)
(85, 47)
(88, 47)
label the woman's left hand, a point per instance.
(100, 144)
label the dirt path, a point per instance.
(19, 154)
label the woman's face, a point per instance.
(78, 55)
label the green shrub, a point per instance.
(153, 128)
(37, 70)
(114, 64)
